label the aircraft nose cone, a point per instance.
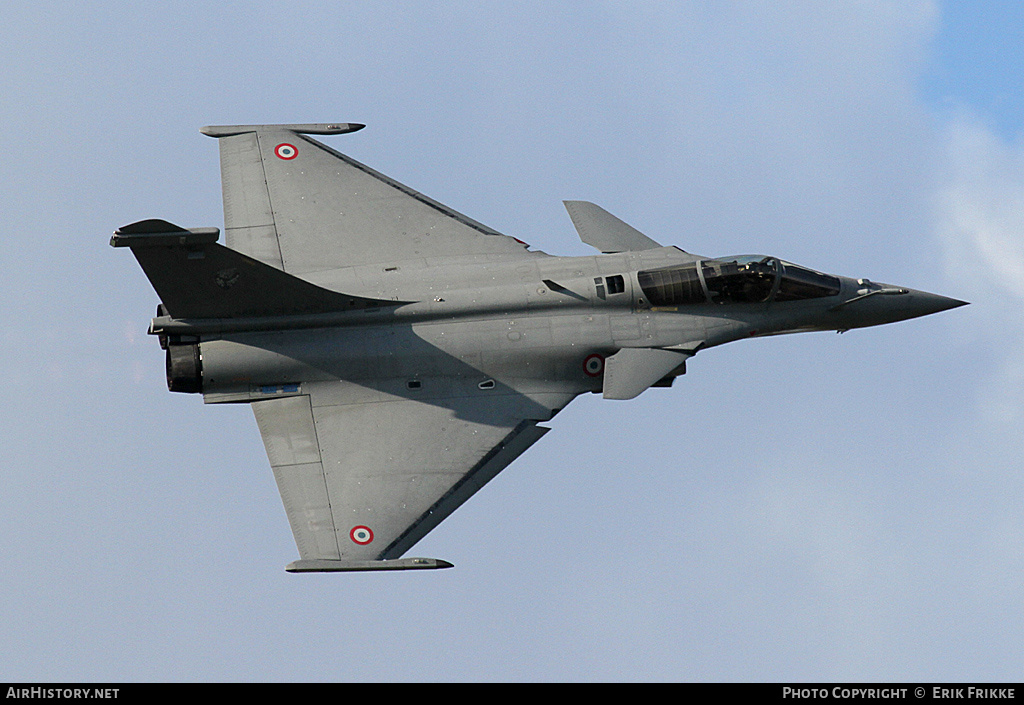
(885, 303)
(923, 304)
(913, 304)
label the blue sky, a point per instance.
(814, 507)
(973, 55)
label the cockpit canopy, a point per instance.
(746, 279)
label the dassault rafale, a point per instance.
(398, 355)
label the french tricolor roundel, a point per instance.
(286, 151)
(593, 365)
(361, 535)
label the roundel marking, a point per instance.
(361, 535)
(593, 365)
(286, 151)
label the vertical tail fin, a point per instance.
(197, 278)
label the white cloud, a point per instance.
(979, 219)
(980, 209)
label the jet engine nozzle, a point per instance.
(184, 368)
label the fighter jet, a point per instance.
(398, 355)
